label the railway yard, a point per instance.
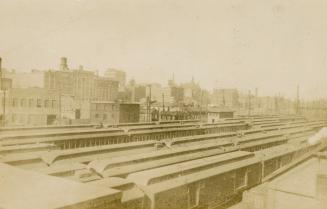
(162, 165)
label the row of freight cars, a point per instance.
(140, 130)
(105, 137)
(83, 139)
(60, 128)
(44, 155)
(48, 154)
(209, 182)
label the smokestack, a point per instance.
(63, 63)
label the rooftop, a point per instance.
(17, 192)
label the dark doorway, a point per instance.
(51, 119)
(78, 114)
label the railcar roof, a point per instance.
(144, 177)
(127, 169)
(51, 156)
(194, 177)
(37, 191)
(112, 182)
(101, 165)
(54, 169)
(25, 146)
(279, 150)
(202, 137)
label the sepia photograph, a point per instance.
(163, 104)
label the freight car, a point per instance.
(98, 138)
(216, 185)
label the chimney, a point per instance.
(63, 63)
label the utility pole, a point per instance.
(2, 87)
(149, 105)
(249, 113)
(60, 109)
(163, 102)
(276, 105)
(224, 101)
(3, 110)
(297, 106)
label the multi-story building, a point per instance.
(160, 95)
(193, 94)
(105, 89)
(32, 106)
(33, 79)
(225, 98)
(104, 112)
(117, 75)
(177, 93)
(139, 93)
(77, 88)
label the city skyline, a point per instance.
(253, 92)
(273, 46)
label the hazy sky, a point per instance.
(270, 44)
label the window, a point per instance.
(96, 115)
(46, 103)
(194, 194)
(14, 118)
(38, 103)
(30, 102)
(22, 102)
(241, 178)
(22, 118)
(104, 116)
(53, 103)
(14, 102)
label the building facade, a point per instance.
(33, 79)
(225, 98)
(117, 75)
(77, 89)
(107, 112)
(32, 106)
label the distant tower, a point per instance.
(63, 63)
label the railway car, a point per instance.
(180, 186)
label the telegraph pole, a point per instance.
(163, 102)
(224, 102)
(297, 107)
(2, 87)
(249, 103)
(163, 106)
(149, 105)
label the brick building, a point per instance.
(32, 106)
